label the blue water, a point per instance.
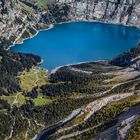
(78, 42)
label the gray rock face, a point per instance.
(21, 19)
(126, 12)
(13, 22)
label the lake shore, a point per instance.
(37, 31)
(50, 26)
(53, 71)
(46, 57)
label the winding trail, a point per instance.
(29, 125)
(14, 102)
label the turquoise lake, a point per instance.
(71, 43)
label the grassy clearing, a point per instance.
(42, 101)
(9, 99)
(33, 77)
(18, 98)
(28, 80)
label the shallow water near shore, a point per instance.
(70, 43)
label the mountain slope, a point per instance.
(75, 102)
